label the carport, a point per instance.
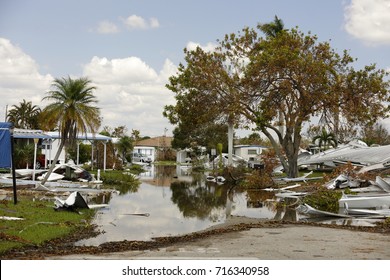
(35, 135)
(90, 137)
(53, 137)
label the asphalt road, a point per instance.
(288, 242)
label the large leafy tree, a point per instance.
(376, 134)
(300, 77)
(208, 83)
(205, 91)
(253, 79)
(72, 111)
(25, 115)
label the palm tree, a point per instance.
(24, 115)
(325, 139)
(24, 154)
(72, 111)
(272, 29)
(136, 135)
(125, 145)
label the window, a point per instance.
(252, 151)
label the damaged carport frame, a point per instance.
(75, 201)
(372, 198)
(355, 152)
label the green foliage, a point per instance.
(376, 134)
(272, 29)
(84, 153)
(125, 145)
(254, 139)
(206, 134)
(219, 152)
(219, 148)
(72, 108)
(71, 111)
(41, 223)
(25, 115)
(136, 169)
(24, 155)
(124, 181)
(258, 179)
(325, 140)
(324, 199)
(283, 79)
(386, 223)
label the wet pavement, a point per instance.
(287, 242)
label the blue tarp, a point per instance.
(5, 145)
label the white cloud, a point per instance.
(369, 21)
(131, 93)
(130, 69)
(154, 23)
(167, 71)
(107, 27)
(136, 22)
(209, 47)
(19, 77)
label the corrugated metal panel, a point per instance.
(39, 134)
(29, 134)
(88, 136)
(345, 153)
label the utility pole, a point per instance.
(6, 113)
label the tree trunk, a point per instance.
(277, 147)
(53, 164)
(291, 143)
(230, 143)
(293, 170)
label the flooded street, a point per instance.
(171, 201)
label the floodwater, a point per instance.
(171, 201)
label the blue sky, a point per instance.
(129, 48)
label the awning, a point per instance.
(30, 134)
(88, 136)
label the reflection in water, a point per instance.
(172, 201)
(165, 218)
(286, 214)
(198, 200)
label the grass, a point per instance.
(41, 223)
(166, 162)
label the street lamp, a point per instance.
(35, 156)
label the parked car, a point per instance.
(140, 158)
